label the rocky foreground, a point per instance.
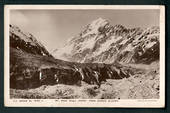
(143, 85)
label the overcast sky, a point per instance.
(54, 27)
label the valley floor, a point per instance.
(143, 85)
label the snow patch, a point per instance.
(88, 44)
(123, 42)
(43, 53)
(105, 46)
(149, 45)
(128, 48)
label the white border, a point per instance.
(131, 103)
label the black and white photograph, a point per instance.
(84, 56)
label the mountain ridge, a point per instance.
(102, 42)
(26, 42)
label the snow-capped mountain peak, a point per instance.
(96, 24)
(102, 42)
(94, 27)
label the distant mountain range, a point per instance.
(100, 42)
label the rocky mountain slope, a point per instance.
(26, 42)
(100, 42)
(28, 57)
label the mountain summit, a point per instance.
(100, 42)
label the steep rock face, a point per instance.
(27, 54)
(26, 42)
(104, 43)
